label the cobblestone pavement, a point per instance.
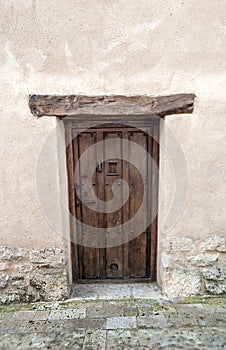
(110, 320)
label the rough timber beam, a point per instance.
(69, 105)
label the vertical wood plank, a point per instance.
(78, 209)
(101, 216)
(138, 193)
(154, 201)
(90, 259)
(125, 209)
(71, 197)
(149, 201)
(114, 255)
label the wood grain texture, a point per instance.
(138, 194)
(69, 105)
(90, 256)
(72, 199)
(154, 202)
(135, 259)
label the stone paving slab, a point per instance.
(84, 292)
(23, 315)
(155, 321)
(102, 291)
(192, 339)
(55, 340)
(105, 310)
(115, 324)
(67, 314)
(95, 340)
(121, 322)
(146, 291)
(41, 315)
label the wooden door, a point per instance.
(130, 258)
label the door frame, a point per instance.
(76, 122)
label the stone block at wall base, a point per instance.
(193, 266)
(182, 282)
(36, 275)
(216, 287)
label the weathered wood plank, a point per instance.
(114, 255)
(154, 205)
(138, 194)
(70, 172)
(69, 105)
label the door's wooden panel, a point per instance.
(126, 208)
(89, 257)
(154, 202)
(138, 193)
(101, 221)
(72, 200)
(112, 173)
(136, 258)
(77, 195)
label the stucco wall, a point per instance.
(114, 47)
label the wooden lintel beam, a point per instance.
(69, 105)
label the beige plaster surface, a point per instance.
(112, 47)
